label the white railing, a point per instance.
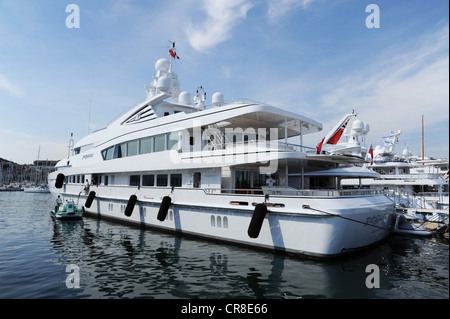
(289, 191)
(252, 146)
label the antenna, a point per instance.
(70, 146)
(90, 104)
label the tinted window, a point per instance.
(148, 180)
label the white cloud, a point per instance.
(279, 8)
(394, 91)
(221, 17)
(10, 88)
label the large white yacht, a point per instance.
(223, 172)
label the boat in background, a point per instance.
(36, 188)
(419, 188)
(11, 188)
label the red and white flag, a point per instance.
(172, 51)
(335, 134)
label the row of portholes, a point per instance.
(219, 222)
(169, 215)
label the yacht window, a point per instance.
(148, 180)
(242, 179)
(135, 180)
(172, 140)
(197, 179)
(160, 142)
(108, 153)
(146, 145)
(106, 179)
(120, 150)
(161, 180)
(175, 180)
(96, 179)
(132, 148)
(259, 179)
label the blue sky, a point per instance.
(314, 57)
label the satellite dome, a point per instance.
(217, 99)
(366, 128)
(175, 83)
(162, 65)
(358, 126)
(164, 83)
(184, 98)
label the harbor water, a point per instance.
(95, 258)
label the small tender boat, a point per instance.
(68, 211)
(408, 225)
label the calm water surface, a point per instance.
(120, 261)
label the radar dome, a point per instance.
(217, 99)
(366, 128)
(405, 152)
(164, 83)
(358, 126)
(162, 65)
(184, 98)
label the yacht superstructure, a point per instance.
(223, 172)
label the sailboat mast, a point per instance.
(423, 149)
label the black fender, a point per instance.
(130, 206)
(59, 180)
(257, 220)
(90, 199)
(164, 208)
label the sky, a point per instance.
(386, 59)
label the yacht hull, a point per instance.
(300, 225)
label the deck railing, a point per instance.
(288, 191)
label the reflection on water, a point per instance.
(119, 261)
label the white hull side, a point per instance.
(291, 229)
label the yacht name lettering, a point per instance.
(87, 156)
(373, 220)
